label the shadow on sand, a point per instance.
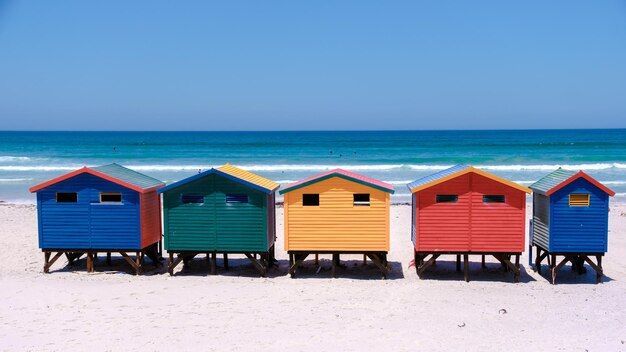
(349, 269)
(567, 276)
(445, 270)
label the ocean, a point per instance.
(396, 157)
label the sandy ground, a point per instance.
(112, 309)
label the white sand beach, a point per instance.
(112, 309)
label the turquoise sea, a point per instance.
(397, 157)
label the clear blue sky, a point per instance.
(285, 65)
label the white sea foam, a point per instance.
(37, 168)
(319, 167)
(4, 158)
(14, 180)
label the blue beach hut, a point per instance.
(570, 219)
(101, 209)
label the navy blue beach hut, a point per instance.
(101, 209)
(570, 219)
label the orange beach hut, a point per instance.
(337, 212)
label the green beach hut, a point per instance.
(225, 210)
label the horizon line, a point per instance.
(339, 130)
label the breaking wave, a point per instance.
(320, 167)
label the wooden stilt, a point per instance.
(297, 260)
(517, 261)
(226, 261)
(552, 266)
(130, 261)
(596, 267)
(458, 263)
(260, 267)
(379, 261)
(335, 260)
(90, 262)
(425, 265)
(466, 267)
(138, 261)
(109, 258)
(48, 262)
(317, 259)
(482, 262)
(170, 264)
(214, 263)
(364, 259)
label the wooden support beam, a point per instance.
(379, 262)
(506, 261)
(48, 262)
(317, 259)
(297, 260)
(181, 257)
(214, 263)
(482, 262)
(139, 261)
(90, 267)
(596, 267)
(333, 267)
(171, 264)
(458, 263)
(364, 259)
(226, 261)
(466, 267)
(425, 265)
(129, 260)
(109, 258)
(540, 257)
(260, 267)
(558, 267)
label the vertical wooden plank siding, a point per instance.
(444, 226)
(150, 218)
(190, 227)
(271, 224)
(497, 227)
(216, 225)
(541, 220)
(240, 226)
(336, 224)
(579, 229)
(470, 224)
(89, 224)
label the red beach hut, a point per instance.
(463, 210)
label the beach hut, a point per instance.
(464, 210)
(224, 210)
(570, 219)
(101, 209)
(337, 212)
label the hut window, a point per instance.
(192, 198)
(447, 198)
(578, 200)
(311, 200)
(236, 198)
(493, 198)
(67, 197)
(110, 197)
(361, 199)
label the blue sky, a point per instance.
(323, 65)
